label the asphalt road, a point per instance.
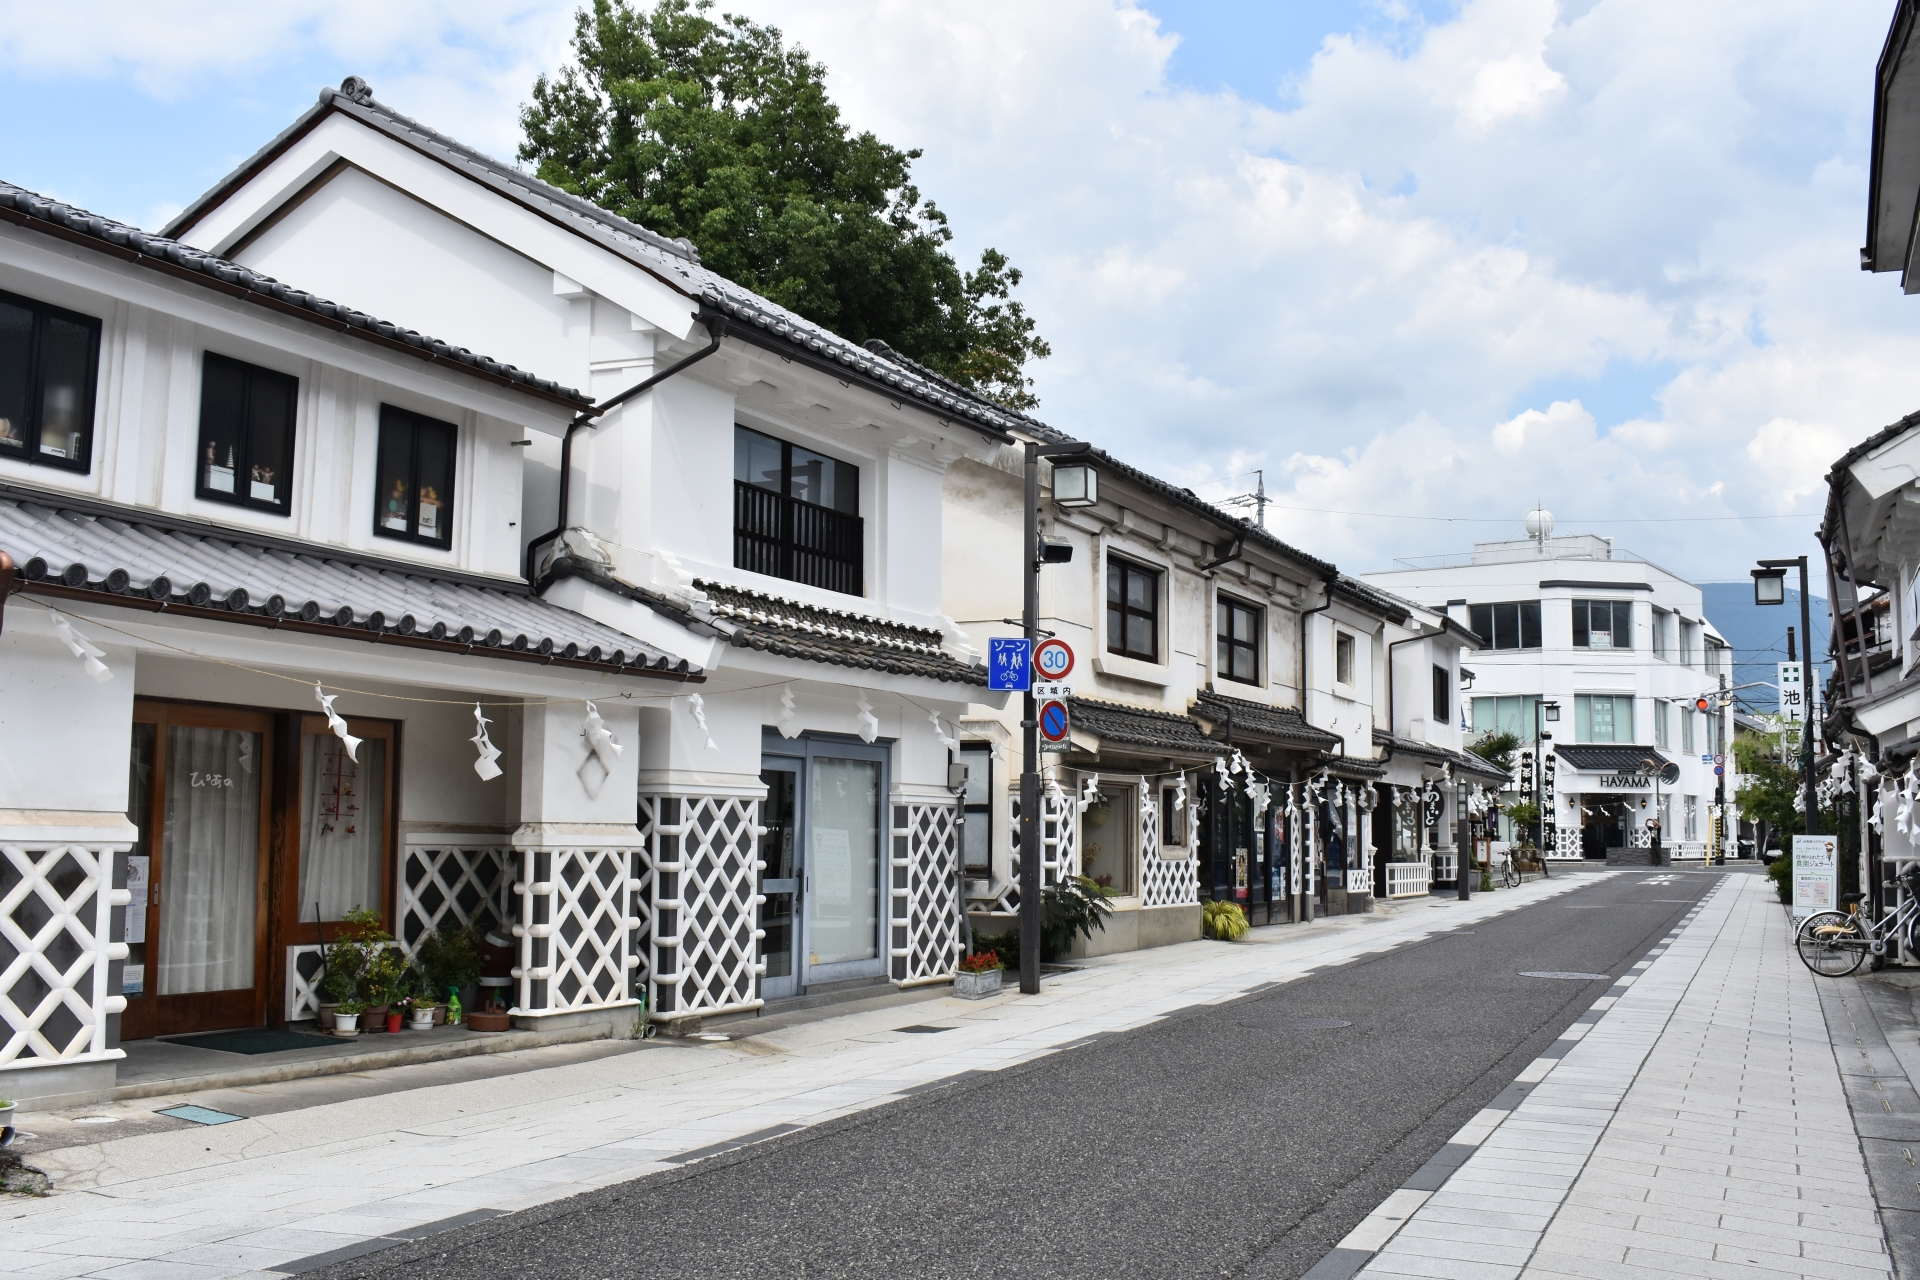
(1224, 1141)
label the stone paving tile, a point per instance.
(1730, 1151)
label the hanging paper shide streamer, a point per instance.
(698, 705)
(482, 743)
(788, 723)
(81, 647)
(950, 742)
(335, 723)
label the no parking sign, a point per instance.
(1055, 727)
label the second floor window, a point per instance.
(1603, 624)
(246, 435)
(1442, 694)
(1507, 626)
(1343, 648)
(1687, 718)
(796, 514)
(1238, 656)
(1662, 735)
(413, 486)
(47, 361)
(1602, 718)
(1518, 715)
(1133, 610)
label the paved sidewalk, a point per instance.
(1693, 1123)
(288, 1192)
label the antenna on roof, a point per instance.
(1257, 499)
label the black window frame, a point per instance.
(1442, 693)
(1121, 570)
(1619, 618)
(30, 451)
(1347, 647)
(252, 377)
(420, 426)
(1227, 647)
(783, 535)
(1500, 621)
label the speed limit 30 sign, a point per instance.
(1052, 659)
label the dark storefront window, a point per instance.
(796, 514)
(47, 361)
(1238, 655)
(414, 485)
(246, 435)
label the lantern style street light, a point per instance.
(1075, 484)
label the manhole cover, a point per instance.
(1282, 1023)
(1555, 973)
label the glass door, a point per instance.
(199, 798)
(345, 851)
(843, 868)
(780, 882)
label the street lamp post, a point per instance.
(1076, 486)
(1769, 587)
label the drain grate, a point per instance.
(200, 1115)
(1563, 976)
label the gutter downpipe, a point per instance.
(1306, 892)
(716, 330)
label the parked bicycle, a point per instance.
(1835, 943)
(1505, 872)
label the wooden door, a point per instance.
(202, 800)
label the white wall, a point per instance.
(64, 738)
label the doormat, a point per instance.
(253, 1040)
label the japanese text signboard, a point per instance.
(1010, 664)
(1793, 692)
(1815, 871)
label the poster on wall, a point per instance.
(1815, 871)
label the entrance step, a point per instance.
(160, 1068)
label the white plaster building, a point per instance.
(740, 563)
(1623, 647)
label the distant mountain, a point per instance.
(1758, 635)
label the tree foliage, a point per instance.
(717, 131)
(1497, 748)
(1771, 782)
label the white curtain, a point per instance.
(210, 872)
(342, 825)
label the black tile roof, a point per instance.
(1606, 757)
(40, 213)
(1284, 726)
(1462, 761)
(786, 628)
(1121, 725)
(142, 559)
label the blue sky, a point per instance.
(1410, 259)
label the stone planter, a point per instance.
(976, 986)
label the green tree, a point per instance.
(1496, 748)
(1767, 790)
(717, 131)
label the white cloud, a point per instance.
(1412, 290)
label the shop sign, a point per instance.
(1624, 782)
(1549, 826)
(1814, 873)
(1793, 691)
(1433, 805)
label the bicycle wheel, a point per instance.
(1833, 947)
(1821, 919)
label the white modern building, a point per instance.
(1620, 650)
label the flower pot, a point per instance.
(969, 985)
(374, 1019)
(423, 1018)
(394, 1020)
(345, 1024)
(439, 1012)
(488, 1022)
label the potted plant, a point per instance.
(6, 1114)
(346, 1017)
(978, 976)
(423, 1013)
(1223, 921)
(449, 961)
(381, 984)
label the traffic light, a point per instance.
(1703, 704)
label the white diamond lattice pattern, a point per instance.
(574, 928)
(699, 877)
(55, 918)
(928, 929)
(442, 884)
(305, 965)
(1163, 882)
(1059, 844)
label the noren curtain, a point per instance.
(210, 870)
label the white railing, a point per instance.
(1408, 879)
(1444, 865)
